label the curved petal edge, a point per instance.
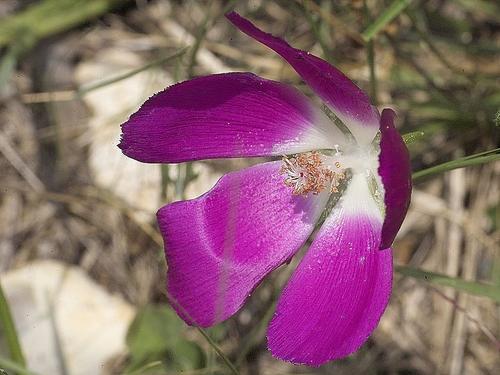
(226, 115)
(221, 245)
(341, 288)
(349, 103)
(395, 172)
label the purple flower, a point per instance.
(221, 245)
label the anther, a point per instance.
(306, 173)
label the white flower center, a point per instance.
(314, 171)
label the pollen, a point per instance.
(307, 173)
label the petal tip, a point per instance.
(124, 144)
(310, 359)
(327, 312)
(232, 15)
(395, 171)
(351, 104)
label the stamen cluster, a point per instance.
(306, 173)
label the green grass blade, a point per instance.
(201, 33)
(86, 89)
(7, 65)
(11, 57)
(420, 25)
(49, 17)
(387, 16)
(471, 287)
(467, 161)
(9, 330)
(18, 369)
(315, 27)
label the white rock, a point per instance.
(64, 319)
(137, 183)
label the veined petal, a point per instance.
(395, 172)
(226, 115)
(338, 293)
(220, 246)
(351, 104)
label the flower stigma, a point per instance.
(307, 173)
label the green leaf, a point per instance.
(187, 355)
(471, 287)
(412, 137)
(155, 329)
(48, 17)
(9, 330)
(155, 336)
(210, 341)
(476, 159)
(387, 16)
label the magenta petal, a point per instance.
(220, 246)
(226, 115)
(336, 297)
(395, 171)
(351, 105)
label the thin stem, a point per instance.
(202, 31)
(197, 43)
(418, 22)
(207, 337)
(68, 95)
(486, 331)
(333, 20)
(373, 79)
(370, 49)
(84, 90)
(9, 329)
(218, 350)
(439, 91)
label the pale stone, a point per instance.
(138, 184)
(67, 323)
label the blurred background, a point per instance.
(81, 258)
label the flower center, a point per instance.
(308, 172)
